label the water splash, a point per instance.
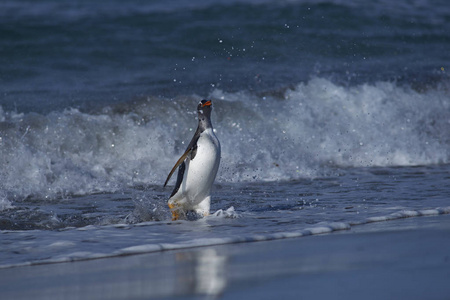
(300, 132)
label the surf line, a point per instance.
(207, 242)
(315, 230)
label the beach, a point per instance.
(333, 119)
(400, 259)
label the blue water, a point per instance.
(56, 54)
(330, 114)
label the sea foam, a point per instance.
(301, 132)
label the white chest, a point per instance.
(201, 171)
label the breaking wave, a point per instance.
(304, 131)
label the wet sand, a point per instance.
(401, 259)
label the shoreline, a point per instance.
(318, 229)
(407, 258)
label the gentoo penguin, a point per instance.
(197, 169)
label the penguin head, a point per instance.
(204, 108)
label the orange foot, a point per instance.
(175, 214)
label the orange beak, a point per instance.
(207, 103)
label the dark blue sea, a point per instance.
(331, 114)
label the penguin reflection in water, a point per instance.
(197, 169)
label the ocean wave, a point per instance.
(301, 132)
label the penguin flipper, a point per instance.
(180, 176)
(191, 149)
(179, 162)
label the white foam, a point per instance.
(140, 249)
(315, 125)
(228, 213)
(4, 202)
(62, 244)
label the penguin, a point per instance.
(197, 169)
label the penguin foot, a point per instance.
(174, 210)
